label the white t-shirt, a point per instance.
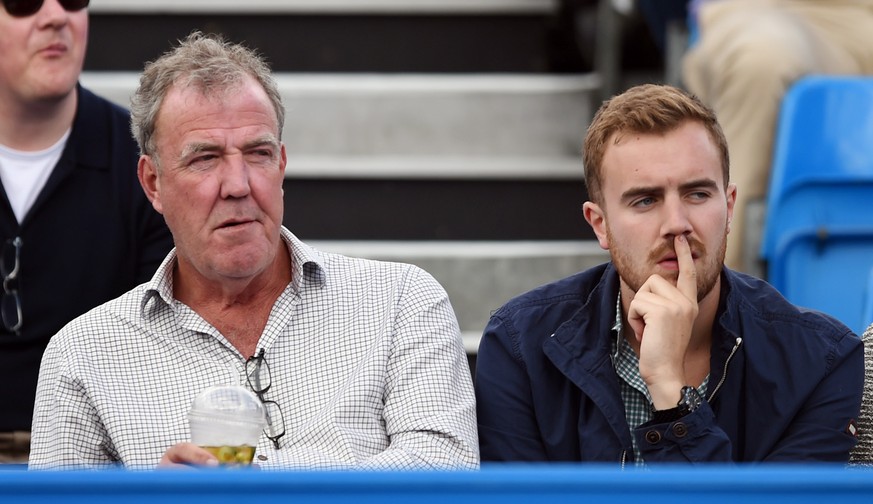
(24, 173)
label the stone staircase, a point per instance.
(469, 169)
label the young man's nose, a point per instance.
(676, 218)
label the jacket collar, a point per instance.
(580, 347)
(727, 329)
(586, 335)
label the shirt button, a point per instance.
(653, 437)
(262, 457)
(680, 430)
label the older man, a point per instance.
(366, 365)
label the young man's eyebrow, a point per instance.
(635, 192)
(705, 183)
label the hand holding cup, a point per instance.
(227, 422)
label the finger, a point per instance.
(636, 320)
(650, 301)
(658, 286)
(187, 454)
(687, 282)
(644, 303)
(641, 304)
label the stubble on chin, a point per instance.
(635, 273)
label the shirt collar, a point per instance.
(307, 266)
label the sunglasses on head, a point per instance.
(23, 8)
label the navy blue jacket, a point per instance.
(785, 383)
(90, 236)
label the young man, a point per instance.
(663, 354)
(75, 226)
(366, 365)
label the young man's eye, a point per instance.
(644, 202)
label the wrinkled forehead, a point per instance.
(238, 118)
(660, 158)
(185, 94)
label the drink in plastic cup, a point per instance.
(227, 421)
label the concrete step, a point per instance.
(480, 276)
(337, 120)
(426, 7)
(436, 209)
(434, 167)
(434, 157)
(347, 35)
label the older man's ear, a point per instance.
(147, 172)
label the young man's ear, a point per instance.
(147, 171)
(596, 217)
(731, 197)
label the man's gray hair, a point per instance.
(209, 64)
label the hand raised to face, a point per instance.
(687, 281)
(662, 316)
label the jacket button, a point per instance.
(680, 430)
(653, 437)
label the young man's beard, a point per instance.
(634, 273)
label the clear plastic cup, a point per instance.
(227, 421)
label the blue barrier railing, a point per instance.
(501, 484)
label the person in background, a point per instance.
(75, 227)
(663, 355)
(659, 15)
(862, 454)
(747, 54)
(359, 363)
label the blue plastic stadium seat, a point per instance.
(818, 232)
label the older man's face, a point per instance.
(219, 184)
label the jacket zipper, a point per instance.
(727, 361)
(739, 341)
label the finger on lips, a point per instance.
(687, 281)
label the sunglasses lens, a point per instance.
(74, 5)
(23, 8)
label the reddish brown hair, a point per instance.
(647, 108)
